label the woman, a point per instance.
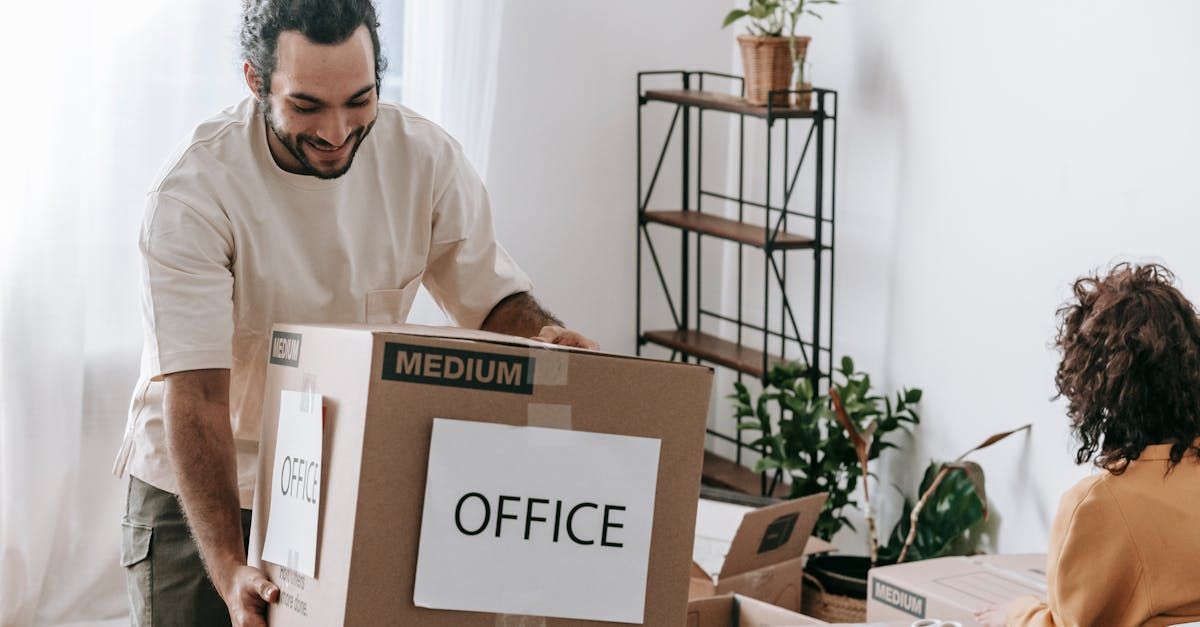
(1125, 544)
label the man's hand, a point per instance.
(247, 595)
(566, 337)
(522, 316)
(991, 617)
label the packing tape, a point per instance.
(519, 620)
(549, 416)
(550, 367)
(308, 391)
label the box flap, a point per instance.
(735, 610)
(477, 335)
(773, 534)
(755, 613)
(445, 332)
(700, 583)
(710, 612)
(816, 545)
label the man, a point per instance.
(310, 201)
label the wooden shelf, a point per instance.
(713, 349)
(724, 102)
(729, 475)
(725, 228)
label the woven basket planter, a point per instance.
(767, 65)
(835, 588)
(831, 608)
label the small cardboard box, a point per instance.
(953, 588)
(383, 406)
(735, 610)
(765, 560)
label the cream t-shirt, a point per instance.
(232, 244)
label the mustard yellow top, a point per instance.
(1124, 549)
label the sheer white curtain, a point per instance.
(95, 96)
(449, 72)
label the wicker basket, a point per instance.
(767, 64)
(832, 608)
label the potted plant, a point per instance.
(825, 442)
(769, 58)
(809, 446)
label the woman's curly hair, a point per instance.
(1130, 366)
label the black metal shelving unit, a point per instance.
(783, 231)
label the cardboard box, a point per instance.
(765, 560)
(952, 588)
(735, 610)
(381, 403)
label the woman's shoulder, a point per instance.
(1091, 496)
(1105, 491)
(1087, 488)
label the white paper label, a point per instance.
(296, 485)
(535, 521)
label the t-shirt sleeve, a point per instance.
(186, 286)
(1094, 572)
(468, 272)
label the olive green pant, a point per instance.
(164, 575)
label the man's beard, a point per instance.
(294, 145)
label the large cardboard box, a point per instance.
(387, 391)
(765, 558)
(953, 588)
(735, 610)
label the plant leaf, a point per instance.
(766, 463)
(974, 474)
(994, 439)
(860, 444)
(869, 433)
(732, 17)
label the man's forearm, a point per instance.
(200, 443)
(521, 315)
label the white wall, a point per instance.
(992, 153)
(562, 171)
(989, 155)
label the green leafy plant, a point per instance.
(825, 443)
(809, 446)
(773, 18)
(954, 508)
(770, 18)
(952, 503)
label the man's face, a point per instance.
(323, 103)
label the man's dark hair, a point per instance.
(320, 21)
(1130, 367)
